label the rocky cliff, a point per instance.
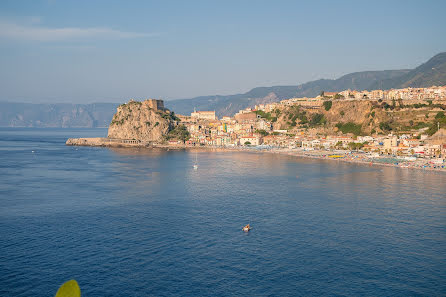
(362, 117)
(141, 121)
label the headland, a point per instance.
(405, 128)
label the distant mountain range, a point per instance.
(61, 115)
(229, 105)
(433, 72)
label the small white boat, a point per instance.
(196, 162)
(246, 228)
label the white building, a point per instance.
(253, 140)
(203, 115)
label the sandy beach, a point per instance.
(359, 157)
(335, 155)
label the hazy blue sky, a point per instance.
(109, 51)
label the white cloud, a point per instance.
(40, 33)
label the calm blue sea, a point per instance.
(140, 222)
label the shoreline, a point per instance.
(339, 155)
(301, 154)
(323, 155)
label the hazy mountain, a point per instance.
(433, 72)
(229, 105)
(56, 115)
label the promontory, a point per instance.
(137, 124)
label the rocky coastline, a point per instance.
(106, 142)
(148, 124)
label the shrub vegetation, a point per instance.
(349, 128)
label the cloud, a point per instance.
(40, 33)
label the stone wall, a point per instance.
(155, 104)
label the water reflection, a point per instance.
(150, 152)
(368, 229)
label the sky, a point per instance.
(110, 51)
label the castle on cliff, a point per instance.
(155, 104)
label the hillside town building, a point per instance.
(249, 128)
(204, 115)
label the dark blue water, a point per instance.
(137, 222)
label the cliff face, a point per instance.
(141, 121)
(358, 112)
(369, 116)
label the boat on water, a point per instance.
(246, 228)
(196, 162)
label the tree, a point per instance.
(339, 144)
(327, 105)
(440, 115)
(262, 132)
(338, 96)
(317, 119)
(179, 132)
(400, 102)
(265, 115)
(349, 127)
(174, 117)
(355, 146)
(438, 123)
(385, 126)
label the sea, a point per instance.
(143, 222)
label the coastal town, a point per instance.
(222, 148)
(398, 127)
(250, 129)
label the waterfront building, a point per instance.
(253, 140)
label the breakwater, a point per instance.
(106, 142)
